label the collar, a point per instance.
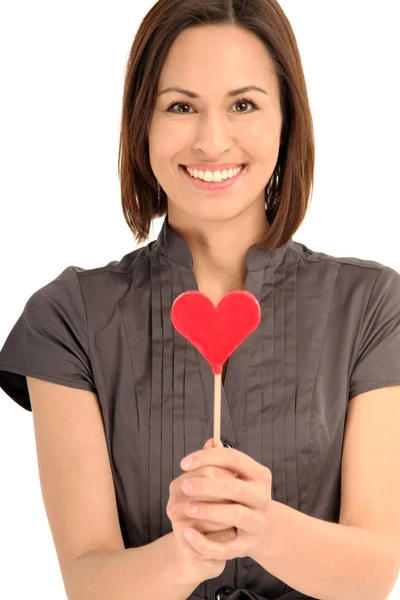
(177, 250)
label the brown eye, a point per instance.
(171, 106)
(242, 101)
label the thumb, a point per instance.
(210, 444)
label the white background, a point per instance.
(62, 70)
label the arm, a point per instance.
(150, 572)
(80, 502)
(328, 561)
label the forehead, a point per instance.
(219, 57)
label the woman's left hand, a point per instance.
(250, 493)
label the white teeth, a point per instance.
(215, 176)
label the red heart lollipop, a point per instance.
(216, 331)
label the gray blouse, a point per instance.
(330, 329)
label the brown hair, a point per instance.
(288, 191)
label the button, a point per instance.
(222, 593)
(227, 444)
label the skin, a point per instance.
(218, 226)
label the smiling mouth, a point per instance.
(242, 168)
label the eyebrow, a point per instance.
(232, 93)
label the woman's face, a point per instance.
(211, 61)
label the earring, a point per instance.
(158, 196)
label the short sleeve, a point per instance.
(378, 361)
(48, 341)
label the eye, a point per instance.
(240, 101)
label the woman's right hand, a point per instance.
(193, 565)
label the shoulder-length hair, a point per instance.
(288, 191)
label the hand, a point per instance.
(249, 512)
(195, 566)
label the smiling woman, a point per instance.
(313, 510)
(231, 130)
(254, 112)
(220, 124)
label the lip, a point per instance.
(213, 166)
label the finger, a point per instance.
(229, 458)
(219, 536)
(213, 550)
(233, 515)
(252, 494)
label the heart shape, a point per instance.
(216, 331)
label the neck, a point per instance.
(219, 249)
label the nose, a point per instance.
(214, 137)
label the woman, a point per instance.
(330, 331)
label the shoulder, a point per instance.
(348, 270)
(311, 256)
(98, 282)
(126, 264)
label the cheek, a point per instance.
(264, 131)
(169, 142)
(266, 148)
(264, 136)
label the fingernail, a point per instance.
(186, 462)
(192, 508)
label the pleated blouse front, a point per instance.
(330, 329)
